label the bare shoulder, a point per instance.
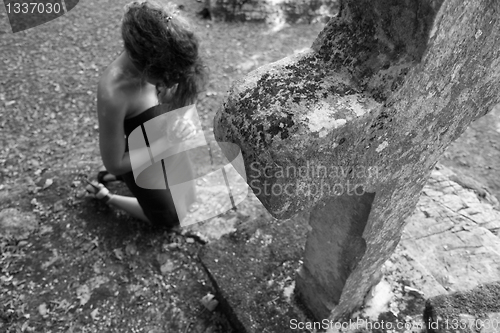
(123, 95)
(111, 97)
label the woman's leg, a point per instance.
(132, 206)
(128, 204)
(157, 205)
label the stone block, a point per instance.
(252, 270)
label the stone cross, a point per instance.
(351, 129)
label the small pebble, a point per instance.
(209, 302)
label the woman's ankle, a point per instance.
(104, 195)
(110, 199)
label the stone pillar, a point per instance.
(351, 129)
(333, 249)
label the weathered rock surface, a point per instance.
(453, 235)
(450, 255)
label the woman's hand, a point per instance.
(184, 129)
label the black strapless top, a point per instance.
(131, 124)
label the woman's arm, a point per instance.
(111, 115)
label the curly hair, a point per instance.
(164, 48)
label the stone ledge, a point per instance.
(252, 271)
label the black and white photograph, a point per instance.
(250, 166)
